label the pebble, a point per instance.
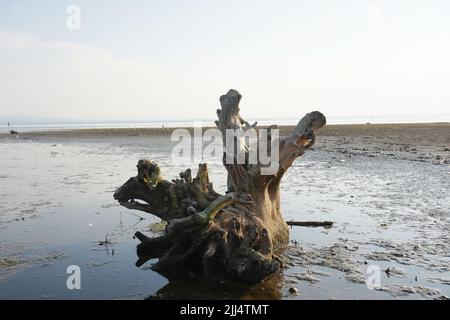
(293, 290)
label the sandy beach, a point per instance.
(412, 141)
(385, 187)
(424, 142)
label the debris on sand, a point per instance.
(105, 242)
(325, 224)
(395, 272)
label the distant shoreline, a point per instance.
(424, 142)
(33, 127)
(331, 129)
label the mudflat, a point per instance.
(426, 142)
(385, 187)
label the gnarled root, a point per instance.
(211, 233)
(213, 242)
(165, 199)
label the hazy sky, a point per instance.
(172, 59)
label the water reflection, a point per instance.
(182, 288)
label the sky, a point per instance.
(153, 60)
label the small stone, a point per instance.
(293, 290)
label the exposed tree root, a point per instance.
(209, 234)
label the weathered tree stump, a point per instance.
(208, 234)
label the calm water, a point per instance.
(207, 123)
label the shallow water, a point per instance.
(56, 205)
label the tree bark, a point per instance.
(265, 189)
(237, 234)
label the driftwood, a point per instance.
(208, 234)
(326, 224)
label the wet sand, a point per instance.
(417, 141)
(385, 187)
